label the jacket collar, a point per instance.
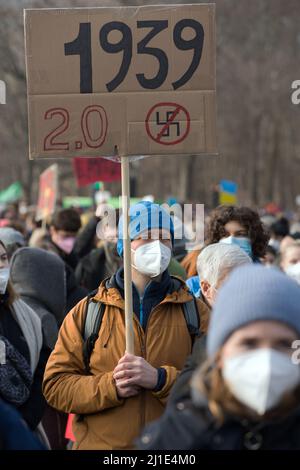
(109, 293)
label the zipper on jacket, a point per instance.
(141, 311)
(146, 329)
(140, 334)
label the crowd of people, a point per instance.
(215, 362)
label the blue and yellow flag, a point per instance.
(228, 192)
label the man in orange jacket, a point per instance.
(123, 392)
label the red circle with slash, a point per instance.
(160, 135)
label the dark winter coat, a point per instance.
(181, 388)
(14, 434)
(191, 426)
(97, 265)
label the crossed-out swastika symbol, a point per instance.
(168, 123)
(166, 130)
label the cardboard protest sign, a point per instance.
(47, 193)
(136, 80)
(91, 170)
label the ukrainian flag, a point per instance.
(228, 192)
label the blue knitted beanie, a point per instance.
(145, 215)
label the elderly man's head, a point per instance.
(215, 263)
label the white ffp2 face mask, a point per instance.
(293, 271)
(260, 378)
(152, 259)
(4, 277)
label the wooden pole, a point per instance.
(127, 256)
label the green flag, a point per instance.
(14, 192)
(77, 201)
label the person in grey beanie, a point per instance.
(12, 239)
(247, 394)
(39, 279)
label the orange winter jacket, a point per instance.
(103, 421)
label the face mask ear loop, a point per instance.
(132, 258)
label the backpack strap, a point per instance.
(92, 324)
(95, 312)
(190, 311)
(191, 315)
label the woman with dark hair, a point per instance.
(240, 226)
(22, 354)
(246, 395)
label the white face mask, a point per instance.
(259, 378)
(4, 277)
(152, 259)
(293, 271)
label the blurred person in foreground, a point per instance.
(26, 352)
(14, 433)
(39, 279)
(247, 394)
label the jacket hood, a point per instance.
(40, 275)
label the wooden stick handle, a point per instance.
(127, 256)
